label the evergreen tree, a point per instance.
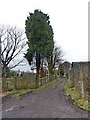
(39, 33)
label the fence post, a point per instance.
(15, 82)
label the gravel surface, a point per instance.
(48, 103)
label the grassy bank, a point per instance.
(76, 97)
(19, 93)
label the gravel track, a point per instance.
(48, 103)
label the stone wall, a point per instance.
(79, 76)
(18, 82)
(23, 82)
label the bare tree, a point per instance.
(55, 59)
(66, 65)
(12, 42)
(57, 56)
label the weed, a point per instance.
(75, 95)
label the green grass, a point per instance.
(45, 85)
(57, 84)
(76, 97)
(18, 93)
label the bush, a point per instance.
(61, 73)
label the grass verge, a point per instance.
(76, 97)
(57, 84)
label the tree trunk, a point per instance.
(37, 69)
(0, 60)
(51, 66)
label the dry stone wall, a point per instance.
(80, 80)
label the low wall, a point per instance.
(23, 82)
(79, 75)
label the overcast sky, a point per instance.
(69, 19)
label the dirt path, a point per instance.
(48, 103)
